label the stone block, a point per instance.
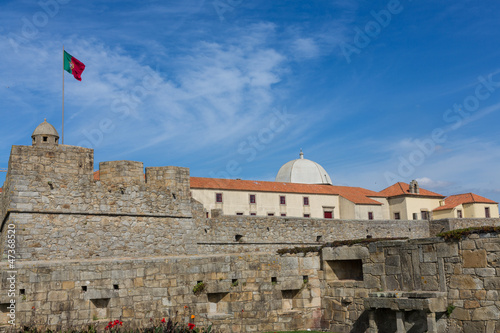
(474, 258)
(289, 263)
(312, 263)
(429, 283)
(460, 314)
(374, 269)
(465, 282)
(392, 283)
(429, 257)
(291, 283)
(371, 282)
(68, 285)
(474, 326)
(492, 245)
(428, 269)
(57, 296)
(471, 304)
(128, 312)
(468, 245)
(453, 294)
(223, 286)
(446, 250)
(492, 283)
(486, 313)
(99, 294)
(345, 253)
(492, 295)
(485, 271)
(480, 294)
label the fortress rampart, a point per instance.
(134, 245)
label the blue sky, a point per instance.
(374, 91)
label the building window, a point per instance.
(239, 213)
(415, 216)
(425, 215)
(252, 198)
(306, 201)
(283, 214)
(397, 216)
(282, 200)
(307, 215)
(370, 215)
(270, 214)
(253, 213)
(487, 211)
(459, 213)
(218, 197)
(328, 214)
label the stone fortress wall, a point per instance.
(134, 245)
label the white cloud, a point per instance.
(305, 48)
(432, 184)
(209, 95)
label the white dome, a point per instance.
(303, 171)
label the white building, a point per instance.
(304, 189)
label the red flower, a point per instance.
(121, 323)
(191, 326)
(163, 320)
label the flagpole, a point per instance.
(63, 98)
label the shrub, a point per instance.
(200, 286)
(458, 234)
(308, 249)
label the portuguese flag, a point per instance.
(73, 66)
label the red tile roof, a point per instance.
(355, 194)
(401, 188)
(458, 199)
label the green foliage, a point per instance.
(449, 310)
(198, 289)
(308, 249)
(168, 326)
(458, 234)
(235, 283)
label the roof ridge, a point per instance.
(401, 187)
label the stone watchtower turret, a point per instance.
(45, 135)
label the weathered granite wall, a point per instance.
(104, 249)
(249, 233)
(425, 279)
(437, 226)
(61, 212)
(247, 293)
